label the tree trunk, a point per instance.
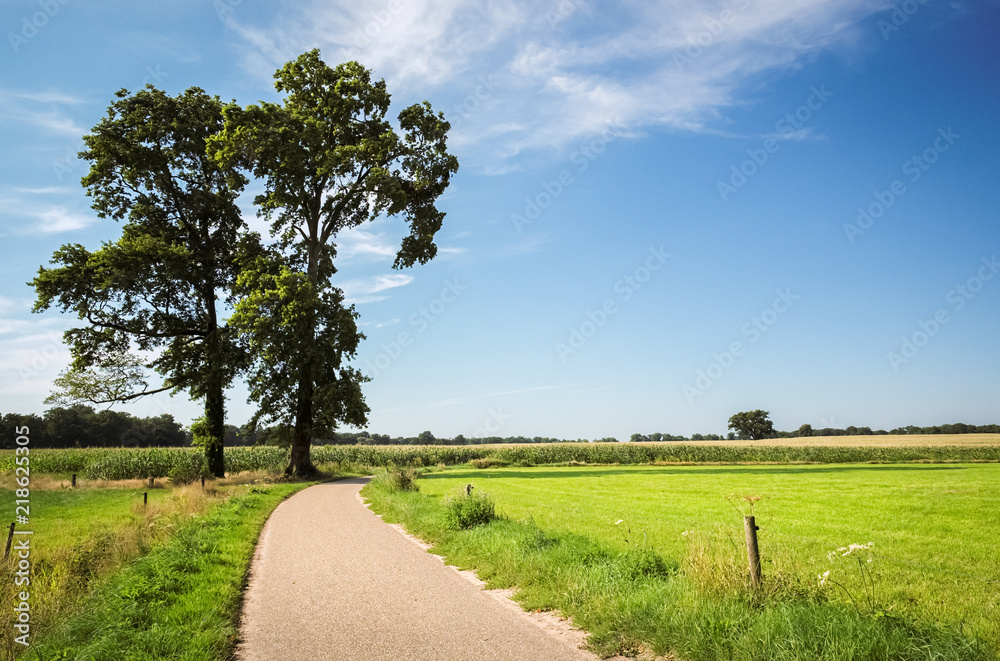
(215, 414)
(215, 398)
(300, 463)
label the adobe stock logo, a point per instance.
(914, 168)
(786, 127)
(37, 21)
(927, 329)
(625, 287)
(535, 205)
(421, 320)
(753, 329)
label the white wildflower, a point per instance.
(822, 577)
(619, 521)
(855, 547)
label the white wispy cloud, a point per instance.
(515, 75)
(355, 242)
(27, 214)
(43, 110)
(46, 190)
(527, 244)
(369, 290)
(59, 219)
(379, 324)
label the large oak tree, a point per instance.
(330, 161)
(157, 289)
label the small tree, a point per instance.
(754, 425)
(806, 430)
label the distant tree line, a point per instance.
(807, 430)
(956, 428)
(427, 438)
(657, 438)
(80, 426)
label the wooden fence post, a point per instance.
(753, 553)
(145, 498)
(73, 482)
(150, 481)
(10, 538)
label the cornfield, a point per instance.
(120, 463)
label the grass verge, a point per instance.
(181, 599)
(635, 601)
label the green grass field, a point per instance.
(56, 515)
(112, 578)
(181, 599)
(935, 528)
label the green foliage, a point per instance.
(395, 479)
(754, 424)
(79, 426)
(188, 468)
(489, 462)
(201, 433)
(469, 508)
(155, 289)
(329, 161)
(297, 329)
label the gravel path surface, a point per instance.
(331, 580)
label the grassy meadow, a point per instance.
(112, 578)
(933, 579)
(636, 542)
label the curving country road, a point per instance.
(331, 580)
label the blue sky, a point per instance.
(666, 212)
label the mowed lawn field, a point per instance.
(935, 529)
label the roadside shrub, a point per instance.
(468, 509)
(188, 468)
(394, 479)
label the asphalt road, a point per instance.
(331, 580)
